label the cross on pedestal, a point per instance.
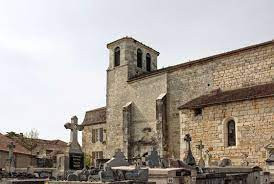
(11, 147)
(76, 156)
(11, 161)
(200, 147)
(74, 127)
(189, 159)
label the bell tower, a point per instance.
(138, 57)
(128, 58)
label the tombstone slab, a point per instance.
(118, 159)
(72, 177)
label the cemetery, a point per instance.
(148, 168)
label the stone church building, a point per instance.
(225, 100)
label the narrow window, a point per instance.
(101, 135)
(117, 56)
(231, 133)
(198, 111)
(93, 136)
(96, 135)
(101, 155)
(148, 62)
(139, 58)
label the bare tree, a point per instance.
(31, 137)
(32, 134)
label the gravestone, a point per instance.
(10, 167)
(72, 177)
(208, 158)
(244, 161)
(117, 160)
(153, 158)
(270, 156)
(76, 156)
(200, 147)
(107, 175)
(189, 159)
(225, 162)
(137, 175)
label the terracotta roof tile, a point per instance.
(25, 142)
(249, 93)
(4, 141)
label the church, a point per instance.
(224, 101)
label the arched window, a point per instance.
(117, 56)
(231, 133)
(139, 58)
(148, 62)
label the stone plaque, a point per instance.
(76, 161)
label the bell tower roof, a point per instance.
(126, 38)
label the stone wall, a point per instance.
(143, 95)
(22, 160)
(88, 145)
(247, 67)
(254, 127)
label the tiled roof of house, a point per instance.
(28, 143)
(198, 61)
(4, 141)
(249, 93)
(95, 116)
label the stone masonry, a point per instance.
(181, 83)
(254, 127)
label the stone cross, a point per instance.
(11, 161)
(11, 147)
(189, 159)
(200, 147)
(74, 127)
(208, 157)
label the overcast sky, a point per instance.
(53, 54)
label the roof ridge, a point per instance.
(246, 93)
(200, 60)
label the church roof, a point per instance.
(95, 116)
(221, 97)
(134, 40)
(4, 141)
(198, 61)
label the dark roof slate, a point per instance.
(249, 93)
(198, 61)
(95, 116)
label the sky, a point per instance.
(53, 55)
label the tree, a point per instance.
(32, 134)
(87, 160)
(30, 140)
